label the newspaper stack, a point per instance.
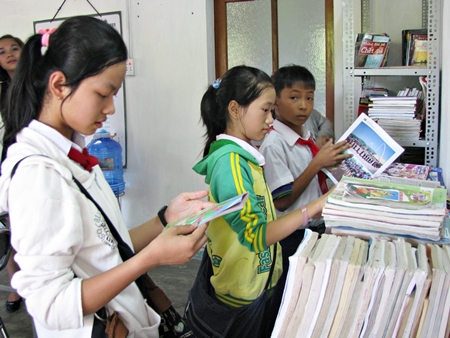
(369, 208)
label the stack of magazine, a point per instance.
(343, 286)
(370, 208)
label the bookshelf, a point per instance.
(432, 20)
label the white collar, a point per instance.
(251, 149)
(57, 138)
(288, 134)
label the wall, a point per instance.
(172, 46)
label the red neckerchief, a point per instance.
(83, 158)
(314, 150)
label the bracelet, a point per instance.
(305, 215)
(161, 216)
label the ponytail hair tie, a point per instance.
(216, 83)
(46, 35)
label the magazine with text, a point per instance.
(216, 210)
(372, 148)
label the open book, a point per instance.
(216, 210)
(372, 148)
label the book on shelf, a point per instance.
(414, 47)
(217, 210)
(372, 148)
(371, 50)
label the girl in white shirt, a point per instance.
(70, 264)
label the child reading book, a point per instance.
(242, 263)
(293, 161)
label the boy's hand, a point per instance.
(322, 140)
(331, 154)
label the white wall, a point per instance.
(173, 49)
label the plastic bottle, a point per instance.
(109, 154)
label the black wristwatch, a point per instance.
(161, 216)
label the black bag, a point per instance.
(172, 324)
(208, 317)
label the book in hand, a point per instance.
(371, 50)
(372, 148)
(217, 210)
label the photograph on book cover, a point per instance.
(372, 148)
(216, 210)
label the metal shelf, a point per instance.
(432, 20)
(391, 71)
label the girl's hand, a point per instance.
(185, 204)
(332, 154)
(176, 245)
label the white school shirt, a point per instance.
(57, 232)
(285, 161)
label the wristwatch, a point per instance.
(161, 216)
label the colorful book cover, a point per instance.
(372, 148)
(371, 50)
(414, 171)
(217, 210)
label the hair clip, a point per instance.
(46, 35)
(216, 83)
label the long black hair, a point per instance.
(4, 76)
(81, 47)
(242, 84)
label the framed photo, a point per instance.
(115, 124)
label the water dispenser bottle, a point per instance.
(109, 154)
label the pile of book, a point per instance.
(399, 116)
(371, 208)
(339, 286)
(371, 50)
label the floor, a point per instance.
(174, 280)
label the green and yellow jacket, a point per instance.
(236, 242)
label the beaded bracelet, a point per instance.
(305, 215)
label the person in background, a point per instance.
(70, 265)
(10, 49)
(242, 247)
(293, 161)
(321, 128)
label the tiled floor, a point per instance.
(174, 280)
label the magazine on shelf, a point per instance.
(214, 211)
(371, 50)
(372, 148)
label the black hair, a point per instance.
(287, 76)
(81, 47)
(4, 76)
(242, 84)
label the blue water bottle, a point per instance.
(109, 154)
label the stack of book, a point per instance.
(340, 286)
(398, 115)
(371, 208)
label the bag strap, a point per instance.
(158, 299)
(269, 279)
